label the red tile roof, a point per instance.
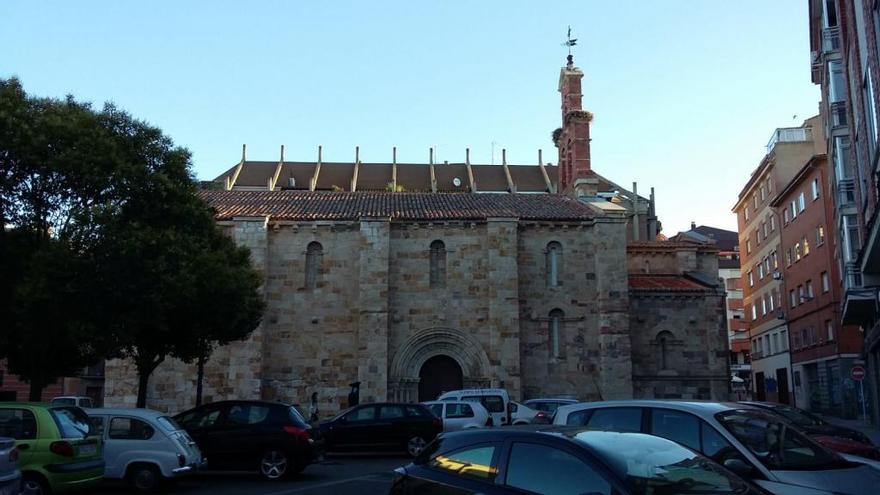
(664, 282)
(325, 205)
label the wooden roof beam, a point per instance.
(511, 187)
(470, 171)
(231, 183)
(314, 182)
(274, 180)
(544, 172)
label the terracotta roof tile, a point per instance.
(324, 205)
(664, 282)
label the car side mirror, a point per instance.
(738, 466)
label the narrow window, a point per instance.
(555, 328)
(314, 254)
(792, 300)
(826, 285)
(820, 235)
(664, 339)
(802, 204)
(554, 263)
(829, 329)
(438, 264)
(815, 189)
(772, 223)
(806, 246)
(751, 279)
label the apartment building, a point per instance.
(844, 41)
(760, 256)
(822, 349)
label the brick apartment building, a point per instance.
(822, 350)
(844, 37)
(788, 150)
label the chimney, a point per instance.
(573, 139)
(693, 225)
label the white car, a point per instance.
(74, 400)
(460, 415)
(144, 447)
(495, 400)
(521, 414)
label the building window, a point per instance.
(829, 330)
(554, 263)
(746, 212)
(810, 294)
(788, 257)
(556, 317)
(820, 235)
(792, 300)
(870, 111)
(797, 251)
(826, 284)
(664, 339)
(751, 279)
(314, 256)
(438, 264)
(801, 202)
(754, 312)
(748, 246)
(774, 343)
(801, 294)
(755, 200)
(815, 189)
(786, 217)
(797, 340)
(851, 238)
(772, 223)
(760, 271)
(806, 246)
(775, 260)
(763, 193)
(772, 303)
(783, 340)
(793, 209)
(764, 306)
(767, 265)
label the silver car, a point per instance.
(748, 441)
(144, 447)
(460, 415)
(10, 476)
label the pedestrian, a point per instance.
(313, 408)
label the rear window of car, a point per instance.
(421, 412)
(437, 409)
(616, 419)
(72, 421)
(297, 417)
(168, 423)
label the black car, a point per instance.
(381, 426)
(811, 424)
(562, 461)
(243, 434)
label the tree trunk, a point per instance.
(36, 391)
(199, 379)
(143, 381)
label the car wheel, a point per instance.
(415, 445)
(144, 478)
(32, 484)
(274, 465)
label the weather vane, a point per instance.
(570, 42)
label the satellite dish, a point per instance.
(456, 182)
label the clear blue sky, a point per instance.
(685, 94)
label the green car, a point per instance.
(55, 451)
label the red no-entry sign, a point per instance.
(857, 373)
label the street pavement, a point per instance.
(339, 475)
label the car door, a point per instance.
(352, 431)
(529, 467)
(20, 424)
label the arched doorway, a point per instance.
(439, 374)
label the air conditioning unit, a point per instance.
(777, 276)
(291, 182)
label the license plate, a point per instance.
(88, 449)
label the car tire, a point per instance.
(144, 478)
(34, 484)
(415, 445)
(275, 465)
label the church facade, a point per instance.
(412, 279)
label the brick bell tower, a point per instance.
(573, 138)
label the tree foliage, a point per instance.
(106, 248)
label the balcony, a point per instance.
(830, 40)
(837, 110)
(846, 193)
(789, 135)
(852, 276)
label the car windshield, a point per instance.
(72, 421)
(655, 465)
(168, 423)
(776, 443)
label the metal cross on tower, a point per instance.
(570, 42)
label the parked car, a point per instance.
(247, 434)
(143, 447)
(755, 444)
(810, 423)
(74, 400)
(562, 461)
(10, 475)
(382, 426)
(460, 415)
(524, 415)
(55, 452)
(495, 400)
(548, 406)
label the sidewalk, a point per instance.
(856, 424)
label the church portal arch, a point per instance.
(455, 347)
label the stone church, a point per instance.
(417, 278)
